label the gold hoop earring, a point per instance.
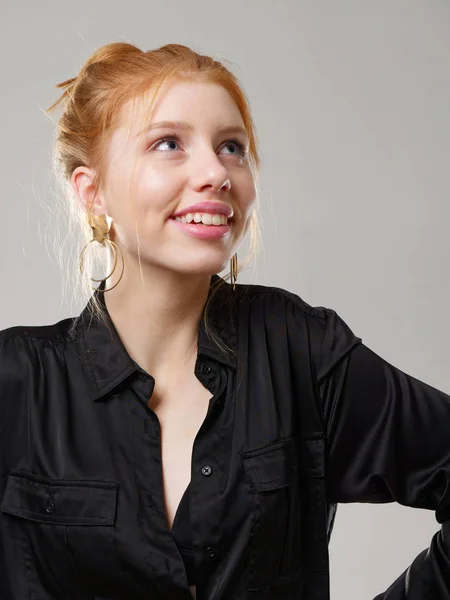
(115, 248)
(234, 270)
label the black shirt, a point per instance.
(183, 535)
(303, 416)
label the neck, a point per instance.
(157, 319)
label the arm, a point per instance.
(19, 575)
(388, 439)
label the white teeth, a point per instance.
(204, 218)
(218, 219)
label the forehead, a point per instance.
(202, 104)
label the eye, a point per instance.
(174, 139)
(240, 147)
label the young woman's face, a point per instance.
(197, 161)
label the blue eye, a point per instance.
(239, 145)
(174, 138)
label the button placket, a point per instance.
(208, 540)
(146, 442)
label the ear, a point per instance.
(82, 182)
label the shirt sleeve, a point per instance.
(388, 439)
(16, 352)
(13, 386)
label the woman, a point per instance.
(184, 436)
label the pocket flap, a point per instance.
(59, 501)
(271, 467)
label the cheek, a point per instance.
(247, 195)
(116, 194)
(157, 190)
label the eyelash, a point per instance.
(175, 137)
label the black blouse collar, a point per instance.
(107, 363)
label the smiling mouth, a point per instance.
(229, 221)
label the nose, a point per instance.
(211, 174)
(216, 182)
(226, 185)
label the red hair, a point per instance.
(115, 74)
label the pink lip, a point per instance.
(210, 207)
(203, 232)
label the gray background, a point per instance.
(351, 102)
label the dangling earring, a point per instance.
(101, 234)
(234, 270)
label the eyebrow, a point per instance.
(230, 130)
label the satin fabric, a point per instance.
(303, 416)
(183, 536)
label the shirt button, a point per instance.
(206, 470)
(204, 368)
(211, 552)
(50, 507)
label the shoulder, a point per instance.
(283, 312)
(256, 293)
(59, 331)
(276, 298)
(21, 347)
(30, 356)
(327, 335)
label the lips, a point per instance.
(173, 218)
(203, 232)
(206, 207)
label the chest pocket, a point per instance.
(63, 520)
(275, 544)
